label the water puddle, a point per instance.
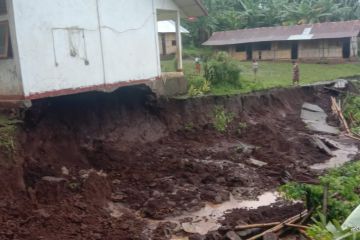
(315, 119)
(207, 219)
(345, 153)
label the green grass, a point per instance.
(272, 74)
(343, 188)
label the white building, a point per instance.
(57, 47)
(167, 37)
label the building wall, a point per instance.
(170, 48)
(307, 50)
(10, 78)
(320, 49)
(277, 51)
(80, 44)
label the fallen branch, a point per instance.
(308, 215)
(336, 107)
(281, 225)
(261, 225)
(296, 226)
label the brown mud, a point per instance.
(79, 155)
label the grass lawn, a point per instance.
(272, 74)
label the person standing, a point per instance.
(255, 67)
(198, 65)
(296, 73)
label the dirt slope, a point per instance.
(79, 154)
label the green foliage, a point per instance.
(344, 190)
(194, 52)
(222, 119)
(329, 231)
(271, 74)
(352, 112)
(241, 127)
(237, 14)
(222, 69)
(198, 86)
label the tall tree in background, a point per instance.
(237, 14)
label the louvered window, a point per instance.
(5, 45)
(3, 9)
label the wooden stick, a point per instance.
(261, 225)
(280, 226)
(308, 215)
(341, 116)
(296, 226)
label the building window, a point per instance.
(173, 42)
(264, 46)
(241, 48)
(3, 9)
(5, 45)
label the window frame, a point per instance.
(5, 9)
(5, 55)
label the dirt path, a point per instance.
(110, 166)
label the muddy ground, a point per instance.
(117, 166)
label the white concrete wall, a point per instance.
(10, 78)
(129, 40)
(125, 49)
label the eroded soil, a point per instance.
(79, 156)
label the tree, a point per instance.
(237, 14)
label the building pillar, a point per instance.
(178, 43)
(354, 47)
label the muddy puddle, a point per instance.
(344, 152)
(207, 219)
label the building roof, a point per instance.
(169, 27)
(326, 30)
(192, 8)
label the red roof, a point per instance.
(284, 33)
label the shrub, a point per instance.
(343, 185)
(222, 69)
(199, 86)
(222, 119)
(352, 112)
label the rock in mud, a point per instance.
(257, 163)
(312, 107)
(245, 149)
(270, 236)
(232, 236)
(321, 146)
(50, 189)
(197, 237)
(248, 232)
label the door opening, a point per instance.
(294, 50)
(346, 48)
(249, 52)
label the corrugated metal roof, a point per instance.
(192, 8)
(169, 27)
(298, 32)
